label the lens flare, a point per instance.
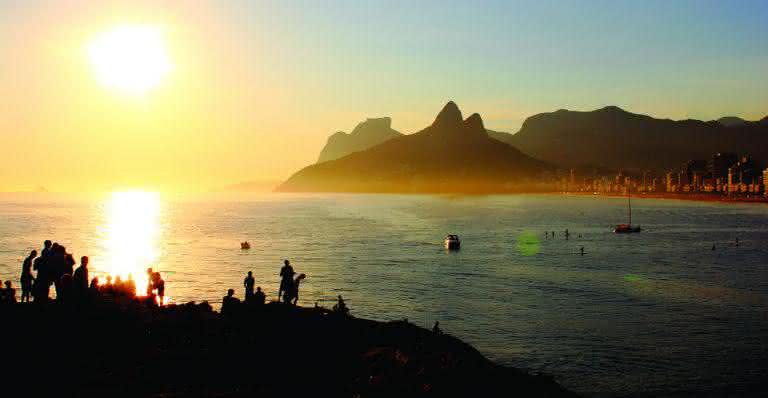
(528, 244)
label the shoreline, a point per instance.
(675, 196)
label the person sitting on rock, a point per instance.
(229, 303)
(108, 288)
(160, 286)
(341, 307)
(93, 288)
(9, 293)
(259, 297)
(130, 287)
(118, 286)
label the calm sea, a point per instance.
(657, 311)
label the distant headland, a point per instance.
(605, 151)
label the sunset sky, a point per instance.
(253, 88)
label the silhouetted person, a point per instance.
(46, 248)
(80, 278)
(286, 278)
(118, 286)
(9, 294)
(150, 286)
(259, 297)
(43, 266)
(553, 234)
(69, 264)
(582, 250)
(64, 293)
(341, 307)
(713, 247)
(295, 288)
(567, 234)
(58, 260)
(229, 303)
(26, 277)
(160, 286)
(93, 288)
(107, 287)
(130, 287)
(737, 242)
(248, 283)
(436, 328)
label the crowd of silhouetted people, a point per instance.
(55, 267)
(288, 293)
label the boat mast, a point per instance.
(629, 206)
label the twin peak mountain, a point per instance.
(453, 154)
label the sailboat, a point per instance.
(627, 228)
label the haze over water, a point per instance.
(656, 311)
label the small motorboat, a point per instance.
(452, 242)
(625, 229)
(245, 245)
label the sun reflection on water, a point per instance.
(131, 241)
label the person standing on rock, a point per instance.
(26, 276)
(286, 279)
(80, 279)
(248, 283)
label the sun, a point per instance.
(131, 59)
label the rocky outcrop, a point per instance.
(367, 134)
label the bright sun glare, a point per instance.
(132, 233)
(131, 59)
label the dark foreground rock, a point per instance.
(131, 350)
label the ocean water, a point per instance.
(654, 312)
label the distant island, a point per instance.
(249, 186)
(608, 150)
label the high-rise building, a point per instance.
(719, 164)
(765, 182)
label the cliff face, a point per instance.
(367, 134)
(616, 139)
(452, 155)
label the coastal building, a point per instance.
(765, 182)
(719, 164)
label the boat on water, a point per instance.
(245, 245)
(627, 228)
(452, 242)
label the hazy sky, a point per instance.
(256, 87)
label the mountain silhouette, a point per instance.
(453, 155)
(613, 138)
(730, 121)
(367, 134)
